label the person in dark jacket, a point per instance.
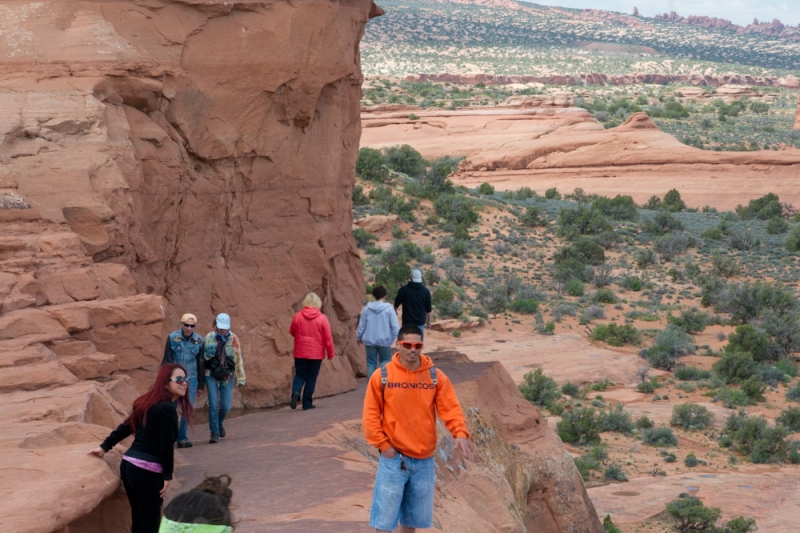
(185, 347)
(146, 468)
(416, 302)
(377, 330)
(312, 340)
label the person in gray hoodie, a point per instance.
(377, 330)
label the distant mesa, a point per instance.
(776, 28)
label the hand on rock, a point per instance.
(99, 452)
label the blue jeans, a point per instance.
(218, 394)
(375, 355)
(403, 493)
(191, 393)
(305, 378)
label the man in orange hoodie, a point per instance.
(400, 420)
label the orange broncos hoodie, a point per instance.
(404, 414)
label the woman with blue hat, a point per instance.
(224, 368)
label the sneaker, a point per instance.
(185, 444)
(214, 439)
(309, 407)
(222, 431)
(295, 399)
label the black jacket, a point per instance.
(416, 302)
(154, 439)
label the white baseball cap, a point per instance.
(223, 321)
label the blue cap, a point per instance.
(223, 321)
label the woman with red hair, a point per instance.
(146, 468)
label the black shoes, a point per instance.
(222, 431)
(295, 399)
(309, 407)
(214, 439)
(185, 444)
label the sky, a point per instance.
(741, 12)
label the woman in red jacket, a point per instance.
(312, 339)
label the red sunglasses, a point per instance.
(409, 345)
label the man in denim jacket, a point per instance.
(185, 347)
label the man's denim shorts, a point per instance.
(403, 493)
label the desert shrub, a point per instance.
(660, 437)
(691, 373)
(538, 388)
(371, 166)
(574, 287)
(523, 193)
(527, 306)
(617, 419)
(602, 275)
(792, 242)
(363, 237)
(654, 203)
(617, 208)
(662, 223)
(731, 398)
(452, 309)
(645, 258)
(572, 223)
(584, 250)
(671, 245)
(493, 299)
(606, 239)
(406, 160)
(724, 266)
(647, 386)
(764, 208)
(614, 472)
(442, 294)
(571, 389)
(771, 375)
(604, 296)
(715, 234)
(485, 188)
(691, 416)
(790, 418)
(754, 389)
(673, 202)
(570, 269)
(643, 422)
(690, 321)
(358, 197)
(753, 436)
(686, 386)
(391, 203)
(632, 283)
(393, 277)
(788, 366)
(533, 217)
(400, 252)
(777, 225)
(691, 516)
(743, 239)
(609, 527)
(560, 310)
(591, 313)
(735, 367)
(459, 248)
(552, 194)
(748, 301)
(749, 339)
(616, 335)
(671, 343)
(740, 525)
(690, 460)
(591, 461)
(793, 393)
(456, 209)
(461, 232)
(580, 426)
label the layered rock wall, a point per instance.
(797, 115)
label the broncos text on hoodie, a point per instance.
(378, 324)
(403, 415)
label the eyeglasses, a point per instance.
(410, 345)
(180, 380)
(188, 325)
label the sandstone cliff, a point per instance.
(797, 115)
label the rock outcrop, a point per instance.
(797, 115)
(160, 157)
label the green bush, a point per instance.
(552, 194)
(528, 306)
(724, 266)
(571, 389)
(617, 419)
(735, 367)
(764, 208)
(754, 389)
(358, 197)
(790, 418)
(753, 436)
(363, 237)
(393, 277)
(670, 344)
(691, 373)
(572, 223)
(660, 437)
(777, 225)
(570, 269)
(793, 240)
(691, 416)
(690, 321)
(614, 472)
(690, 460)
(459, 248)
(618, 208)
(384, 199)
(574, 287)
(538, 388)
(584, 250)
(793, 393)
(371, 166)
(643, 422)
(616, 335)
(691, 516)
(749, 301)
(609, 527)
(662, 223)
(580, 426)
(645, 258)
(591, 461)
(405, 159)
(604, 296)
(747, 338)
(673, 202)
(485, 188)
(632, 283)
(456, 209)
(732, 398)
(533, 217)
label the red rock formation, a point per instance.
(773, 29)
(797, 115)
